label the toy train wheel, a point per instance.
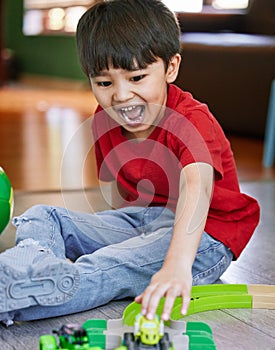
(129, 341)
(165, 342)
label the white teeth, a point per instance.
(127, 109)
(132, 114)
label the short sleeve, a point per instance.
(195, 138)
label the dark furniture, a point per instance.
(2, 62)
(228, 61)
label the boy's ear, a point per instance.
(173, 68)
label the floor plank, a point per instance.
(248, 153)
(257, 262)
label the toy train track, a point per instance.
(215, 297)
(134, 332)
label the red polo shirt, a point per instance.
(149, 170)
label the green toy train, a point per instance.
(142, 334)
(70, 336)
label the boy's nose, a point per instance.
(122, 93)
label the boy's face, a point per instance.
(135, 99)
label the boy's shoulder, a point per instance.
(190, 114)
(183, 101)
(183, 104)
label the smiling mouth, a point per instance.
(133, 115)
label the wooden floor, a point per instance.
(46, 150)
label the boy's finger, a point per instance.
(138, 298)
(185, 304)
(168, 305)
(152, 307)
(151, 304)
(144, 299)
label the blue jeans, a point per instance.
(116, 252)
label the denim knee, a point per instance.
(211, 261)
(39, 211)
(42, 225)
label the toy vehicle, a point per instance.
(147, 334)
(130, 343)
(70, 336)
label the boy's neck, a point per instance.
(137, 136)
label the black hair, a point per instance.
(126, 33)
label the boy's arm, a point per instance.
(175, 277)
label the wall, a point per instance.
(40, 55)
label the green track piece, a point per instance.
(95, 330)
(200, 336)
(97, 340)
(198, 326)
(215, 297)
(203, 298)
(130, 312)
(210, 289)
(98, 326)
(201, 340)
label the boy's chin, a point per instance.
(141, 131)
(134, 122)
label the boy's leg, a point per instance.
(70, 234)
(125, 269)
(104, 275)
(212, 260)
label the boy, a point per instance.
(179, 217)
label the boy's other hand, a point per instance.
(169, 284)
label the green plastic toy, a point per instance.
(71, 336)
(116, 335)
(6, 200)
(123, 334)
(203, 298)
(149, 332)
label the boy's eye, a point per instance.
(138, 77)
(104, 83)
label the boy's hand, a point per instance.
(168, 283)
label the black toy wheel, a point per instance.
(165, 337)
(165, 343)
(129, 341)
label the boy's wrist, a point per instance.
(182, 263)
